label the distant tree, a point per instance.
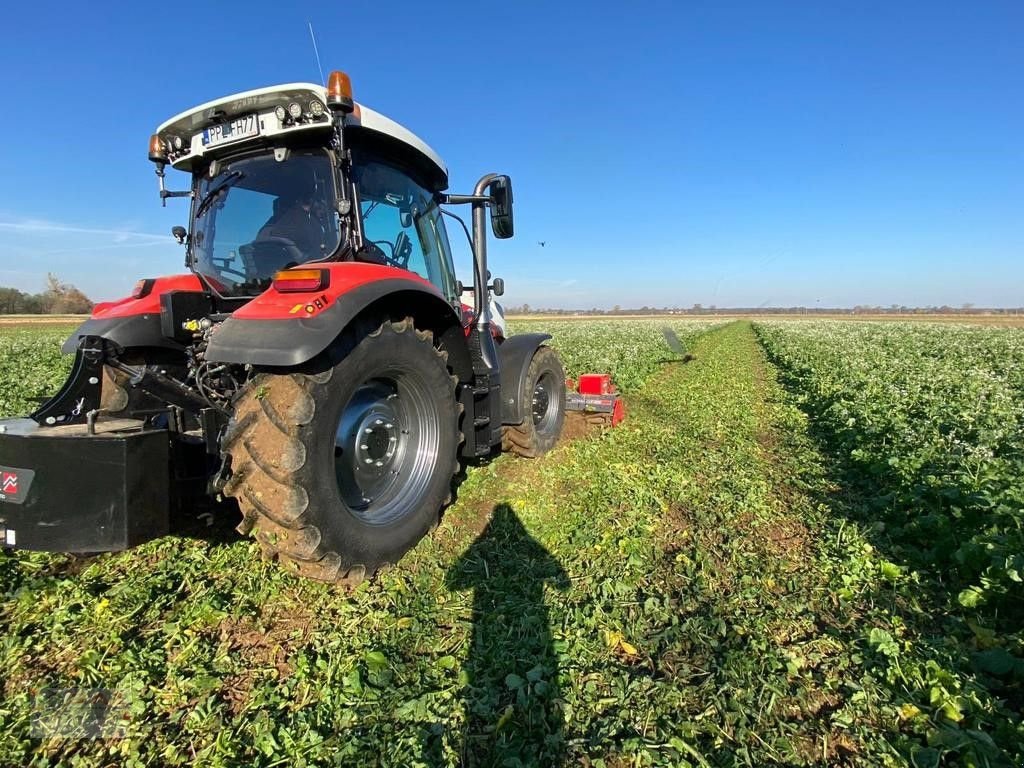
(15, 302)
(63, 298)
(12, 301)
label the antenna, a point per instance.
(323, 82)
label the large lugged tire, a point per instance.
(544, 406)
(340, 472)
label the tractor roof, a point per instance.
(190, 123)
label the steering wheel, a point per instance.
(224, 269)
(286, 243)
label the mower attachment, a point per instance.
(63, 489)
(595, 399)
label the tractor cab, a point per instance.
(276, 184)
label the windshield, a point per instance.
(258, 216)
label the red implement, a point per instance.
(595, 398)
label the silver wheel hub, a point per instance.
(385, 447)
(376, 439)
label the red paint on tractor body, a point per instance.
(148, 304)
(468, 318)
(345, 276)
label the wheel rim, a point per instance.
(545, 403)
(386, 447)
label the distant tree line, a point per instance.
(700, 309)
(58, 299)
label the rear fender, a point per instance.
(514, 355)
(134, 322)
(288, 329)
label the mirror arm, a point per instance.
(486, 361)
(463, 199)
(480, 275)
(164, 192)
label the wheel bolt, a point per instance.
(364, 447)
(368, 461)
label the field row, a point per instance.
(925, 426)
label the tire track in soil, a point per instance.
(748, 527)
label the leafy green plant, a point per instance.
(31, 366)
(708, 584)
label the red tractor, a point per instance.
(316, 363)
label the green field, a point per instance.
(803, 547)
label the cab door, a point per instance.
(402, 219)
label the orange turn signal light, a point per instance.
(157, 149)
(300, 280)
(339, 91)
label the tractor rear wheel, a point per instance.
(339, 472)
(544, 406)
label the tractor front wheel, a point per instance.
(339, 472)
(543, 404)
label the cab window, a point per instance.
(258, 215)
(403, 220)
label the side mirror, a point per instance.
(501, 207)
(179, 234)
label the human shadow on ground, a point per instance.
(511, 693)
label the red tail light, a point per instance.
(142, 288)
(301, 280)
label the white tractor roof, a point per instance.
(200, 117)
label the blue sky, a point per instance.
(736, 154)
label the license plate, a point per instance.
(242, 128)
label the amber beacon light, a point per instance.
(157, 150)
(339, 92)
